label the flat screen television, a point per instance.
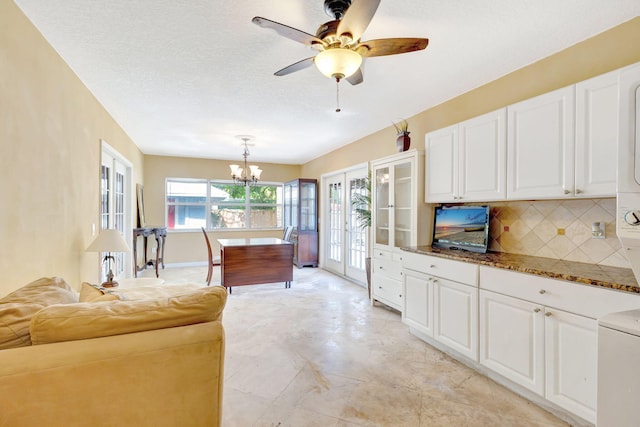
(461, 227)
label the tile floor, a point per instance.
(319, 354)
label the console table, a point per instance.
(160, 234)
(255, 260)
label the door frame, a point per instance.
(107, 151)
(324, 218)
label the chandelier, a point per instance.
(249, 175)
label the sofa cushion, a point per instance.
(44, 291)
(99, 319)
(135, 293)
(94, 293)
(14, 324)
(17, 308)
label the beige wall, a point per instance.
(50, 131)
(189, 246)
(605, 52)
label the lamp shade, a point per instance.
(338, 62)
(109, 240)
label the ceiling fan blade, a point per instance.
(300, 65)
(356, 78)
(382, 47)
(287, 31)
(357, 18)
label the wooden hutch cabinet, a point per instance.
(301, 213)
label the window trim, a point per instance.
(207, 204)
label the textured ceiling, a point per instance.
(183, 77)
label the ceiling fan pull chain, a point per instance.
(338, 96)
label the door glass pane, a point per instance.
(335, 222)
(357, 233)
(382, 206)
(118, 219)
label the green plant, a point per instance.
(401, 126)
(361, 201)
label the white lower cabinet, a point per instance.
(386, 278)
(456, 316)
(535, 332)
(512, 339)
(546, 350)
(417, 312)
(571, 343)
(439, 307)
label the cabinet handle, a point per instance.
(578, 191)
(390, 206)
(537, 310)
(380, 267)
(435, 281)
(548, 314)
(541, 291)
(432, 266)
(379, 287)
(567, 192)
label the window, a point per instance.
(229, 206)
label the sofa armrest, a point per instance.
(169, 376)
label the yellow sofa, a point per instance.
(109, 362)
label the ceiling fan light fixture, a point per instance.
(338, 62)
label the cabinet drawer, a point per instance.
(388, 268)
(586, 300)
(388, 290)
(457, 271)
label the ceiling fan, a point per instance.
(340, 49)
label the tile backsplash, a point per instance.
(559, 229)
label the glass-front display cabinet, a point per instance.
(394, 201)
(301, 213)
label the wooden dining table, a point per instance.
(252, 261)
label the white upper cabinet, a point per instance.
(467, 161)
(540, 144)
(482, 156)
(596, 136)
(441, 165)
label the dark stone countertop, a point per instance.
(589, 274)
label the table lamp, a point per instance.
(109, 240)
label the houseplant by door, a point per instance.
(361, 205)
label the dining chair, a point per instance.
(209, 257)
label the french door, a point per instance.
(116, 207)
(345, 242)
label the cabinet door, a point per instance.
(571, 362)
(403, 209)
(456, 316)
(482, 151)
(540, 143)
(441, 173)
(308, 206)
(512, 339)
(417, 303)
(597, 136)
(381, 202)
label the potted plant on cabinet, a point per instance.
(403, 140)
(361, 204)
